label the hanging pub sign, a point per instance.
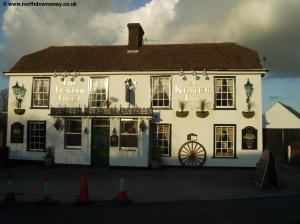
(249, 138)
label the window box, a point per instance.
(19, 111)
(182, 113)
(202, 114)
(247, 114)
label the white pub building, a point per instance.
(191, 104)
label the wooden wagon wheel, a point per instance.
(192, 154)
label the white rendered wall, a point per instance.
(181, 127)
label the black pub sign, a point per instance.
(249, 138)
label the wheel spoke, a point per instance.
(192, 154)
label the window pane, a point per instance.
(73, 140)
(129, 127)
(40, 92)
(74, 126)
(161, 91)
(36, 135)
(129, 140)
(224, 92)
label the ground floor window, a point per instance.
(129, 134)
(161, 138)
(73, 132)
(36, 136)
(224, 141)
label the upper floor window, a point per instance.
(99, 92)
(40, 92)
(161, 92)
(224, 92)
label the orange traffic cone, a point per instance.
(46, 194)
(122, 195)
(84, 193)
(10, 194)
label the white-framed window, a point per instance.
(36, 135)
(224, 141)
(40, 92)
(129, 134)
(161, 92)
(161, 138)
(99, 92)
(224, 92)
(73, 131)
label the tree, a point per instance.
(3, 100)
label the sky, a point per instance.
(271, 27)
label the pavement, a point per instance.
(167, 184)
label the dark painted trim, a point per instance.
(232, 108)
(33, 107)
(73, 118)
(170, 137)
(214, 134)
(30, 150)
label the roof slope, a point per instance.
(210, 56)
(292, 110)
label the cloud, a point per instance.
(268, 26)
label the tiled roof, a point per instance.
(209, 56)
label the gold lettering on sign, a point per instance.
(68, 92)
(192, 91)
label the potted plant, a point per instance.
(203, 104)
(182, 113)
(249, 113)
(49, 158)
(156, 158)
(18, 109)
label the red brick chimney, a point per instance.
(135, 39)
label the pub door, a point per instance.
(100, 142)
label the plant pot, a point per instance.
(49, 161)
(247, 114)
(202, 114)
(156, 164)
(182, 113)
(19, 111)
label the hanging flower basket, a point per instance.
(19, 111)
(248, 114)
(182, 113)
(202, 114)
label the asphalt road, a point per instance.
(283, 210)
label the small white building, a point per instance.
(281, 125)
(115, 105)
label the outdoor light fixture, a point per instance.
(249, 90)
(86, 131)
(114, 132)
(194, 72)
(81, 79)
(19, 93)
(66, 74)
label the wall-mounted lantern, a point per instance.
(86, 131)
(114, 139)
(142, 125)
(249, 90)
(19, 92)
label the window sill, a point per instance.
(73, 148)
(218, 157)
(225, 109)
(162, 108)
(129, 149)
(35, 150)
(47, 108)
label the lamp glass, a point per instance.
(16, 89)
(22, 91)
(249, 88)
